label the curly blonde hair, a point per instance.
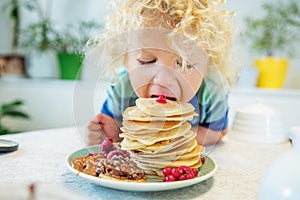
(202, 21)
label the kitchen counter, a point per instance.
(41, 158)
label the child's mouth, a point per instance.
(170, 98)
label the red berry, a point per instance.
(181, 171)
(190, 176)
(161, 99)
(182, 177)
(188, 171)
(169, 178)
(175, 172)
(110, 139)
(184, 168)
(202, 159)
(195, 171)
(167, 171)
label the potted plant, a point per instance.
(11, 109)
(13, 64)
(275, 35)
(37, 40)
(63, 45)
(69, 44)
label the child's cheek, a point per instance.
(140, 79)
(189, 83)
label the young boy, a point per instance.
(179, 49)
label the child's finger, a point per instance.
(95, 137)
(94, 126)
(105, 119)
(95, 120)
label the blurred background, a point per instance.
(40, 59)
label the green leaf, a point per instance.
(10, 106)
(5, 131)
(277, 31)
(12, 109)
(16, 102)
(14, 113)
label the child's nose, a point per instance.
(165, 76)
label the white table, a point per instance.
(41, 159)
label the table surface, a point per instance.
(41, 158)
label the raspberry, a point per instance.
(118, 152)
(107, 146)
(161, 99)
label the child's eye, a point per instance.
(144, 62)
(179, 64)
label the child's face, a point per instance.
(154, 69)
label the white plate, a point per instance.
(206, 171)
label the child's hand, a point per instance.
(206, 136)
(100, 127)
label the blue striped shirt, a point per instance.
(209, 102)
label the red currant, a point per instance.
(167, 171)
(169, 178)
(195, 171)
(190, 175)
(184, 168)
(179, 173)
(175, 172)
(182, 177)
(202, 159)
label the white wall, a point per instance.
(61, 11)
(65, 11)
(69, 11)
(52, 103)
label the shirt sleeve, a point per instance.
(106, 110)
(211, 103)
(119, 97)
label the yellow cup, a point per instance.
(272, 72)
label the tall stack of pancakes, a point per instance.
(158, 135)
